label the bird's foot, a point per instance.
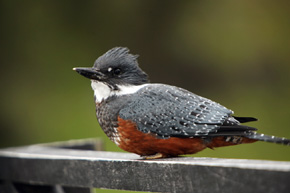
(155, 156)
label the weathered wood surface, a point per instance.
(49, 165)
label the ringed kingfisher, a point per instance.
(159, 120)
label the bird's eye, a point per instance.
(117, 71)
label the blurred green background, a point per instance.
(234, 52)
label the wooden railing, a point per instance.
(72, 167)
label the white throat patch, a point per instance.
(103, 91)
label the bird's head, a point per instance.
(115, 73)
(117, 67)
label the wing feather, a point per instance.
(169, 111)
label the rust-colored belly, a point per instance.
(144, 144)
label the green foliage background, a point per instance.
(234, 52)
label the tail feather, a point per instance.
(268, 138)
(245, 119)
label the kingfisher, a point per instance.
(159, 120)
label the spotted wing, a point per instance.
(169, 111)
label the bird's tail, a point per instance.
(268, 138)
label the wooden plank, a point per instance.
(125, 171)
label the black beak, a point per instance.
(90, 73)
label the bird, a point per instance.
(157, 120)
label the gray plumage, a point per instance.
(120, 59)
(169, 111)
